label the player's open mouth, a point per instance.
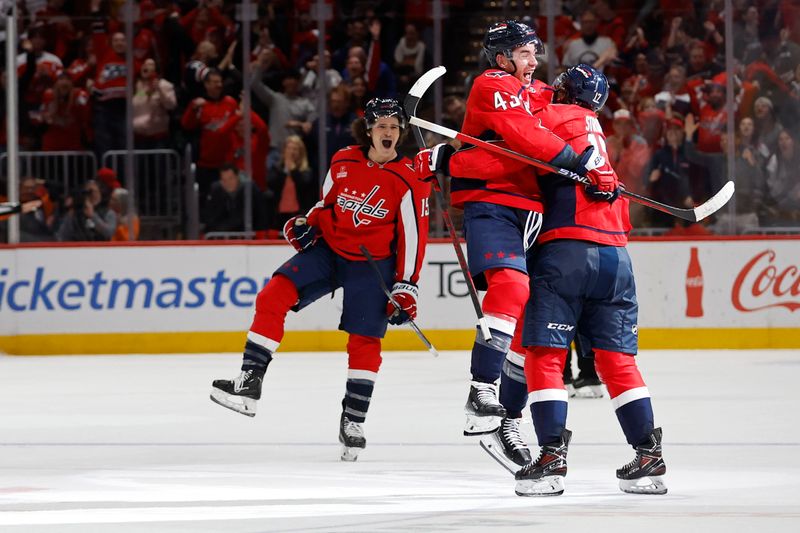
(528, 75)
(387, 143)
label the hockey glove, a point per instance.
(433, 160)
(604, 184)
(405, 294)
(299, 234)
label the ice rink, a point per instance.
(132, 443)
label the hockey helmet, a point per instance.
(583, 85)
(384, 107)
(503, 37)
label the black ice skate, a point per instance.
(483, 410)
(239, 394)
(507, 446)
(588, 387)
(545, 476)
(643, 474)
(351, 435)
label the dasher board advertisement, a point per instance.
(197, 297)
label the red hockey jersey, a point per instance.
(500, 108)
(384, 207)
(569, 212)
(211, 116)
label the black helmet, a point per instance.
(503, 37)
(583, 85)
(384, 107)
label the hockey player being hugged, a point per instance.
(372, 197)
(501, 199)
(582, 279)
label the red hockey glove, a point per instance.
(299, 234)
(405, 294)
(604, 183)
(437, 159)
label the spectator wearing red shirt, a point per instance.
(712, 119)
(610, 24)
(209, 115)
(58, 27)
(259, 145)
(66, 117)
(108, 87)
(203, 20)
(37, 71)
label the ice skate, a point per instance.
(586, 388)
(483, 410)
(643, 474)
(545, 476)
(239, 394)
(351, 435)
(506, 445)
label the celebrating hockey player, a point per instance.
(581, 278)
(501, 199)
(371, 197)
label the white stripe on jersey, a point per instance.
(326, 188)
(410, 232)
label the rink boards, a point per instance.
(198, 297)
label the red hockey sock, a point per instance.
(507, 293)
(618, 371)
(272, 304)
(544, 368)
(364, 353)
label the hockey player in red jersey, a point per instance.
(582, 279)
(371, 197)
(501, 199)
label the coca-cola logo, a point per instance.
(761, 285)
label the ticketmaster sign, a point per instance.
(199, 298)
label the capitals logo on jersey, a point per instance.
(358, 203)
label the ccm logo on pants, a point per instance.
(560, 327)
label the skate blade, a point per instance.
(350, 455)
(246, 408)
(492, 445)
(546, 486)
(643, 485)
(588, 392)
(481, 425)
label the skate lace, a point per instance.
(485, 393)
(511, 433)
(635, 462)
(353, 429)
(238, 382)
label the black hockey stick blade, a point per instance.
(396, 305)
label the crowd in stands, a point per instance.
(665, 121)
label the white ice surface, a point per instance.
(132, 443)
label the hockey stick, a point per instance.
(693, 215)
(10, 208)
(412, 100)
(396, 305)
